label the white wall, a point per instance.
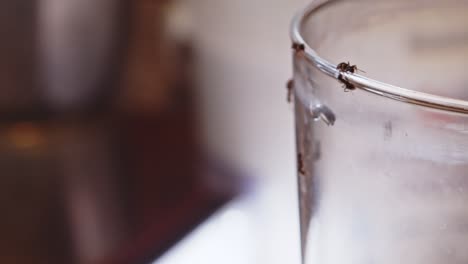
(245, 62)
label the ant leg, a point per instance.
(345, 88)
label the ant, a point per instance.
(346, 67)
(346, 84)
(290, 87)
(300, 164)
(298, 47)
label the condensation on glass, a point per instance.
(382, 169)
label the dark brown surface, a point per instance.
(18, 56)
(33, 224)
(118, 179)
(172, 190)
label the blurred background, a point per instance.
(147, 131)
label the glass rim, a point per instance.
(362, 82)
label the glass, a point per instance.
(382, 170)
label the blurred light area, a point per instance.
(224, 238)
(25, 135)
(259, 228)
(178, 17)
(76, 39)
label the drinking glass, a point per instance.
(382, 148)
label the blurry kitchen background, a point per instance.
(147, 131)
